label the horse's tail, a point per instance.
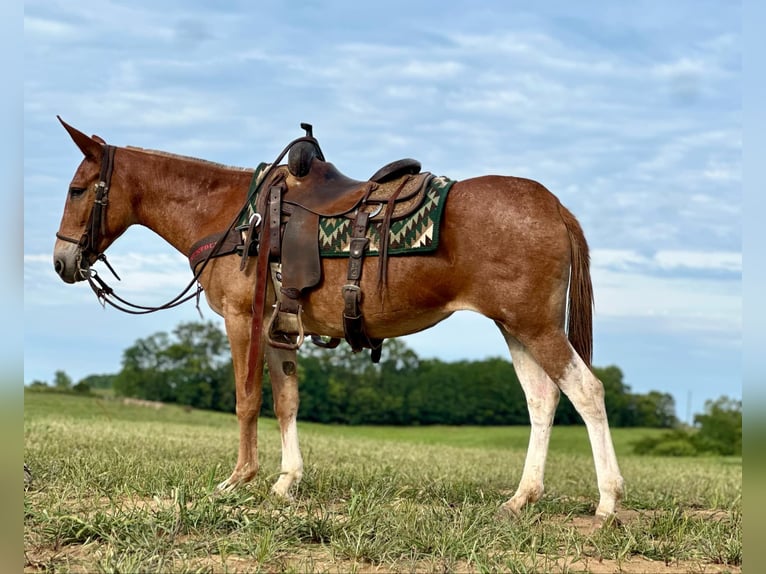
(580, 322)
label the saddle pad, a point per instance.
(418, 233)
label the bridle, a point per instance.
(96, 225)
(95, 229)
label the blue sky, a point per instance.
(630, 114)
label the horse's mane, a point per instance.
(188, 158)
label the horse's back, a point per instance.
(505, 213)
(507, 194)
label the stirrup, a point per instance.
(290, 346)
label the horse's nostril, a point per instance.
(58, 266)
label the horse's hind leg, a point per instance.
(586, 393)
(284, 383)
(555, 355)
(542, 398)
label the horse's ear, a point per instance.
(98, 139)
(88, 146)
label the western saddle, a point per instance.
(290, 200)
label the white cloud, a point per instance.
(48, 29)
(431, 70)
(722, 173)
(680, 304)
(626, 285)
(682, 67)
(623, 259)
(616, 258)
(708, 261)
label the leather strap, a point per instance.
(275, 219)
(255, 355)
(353, 322)
(385, 236)
(201, 249)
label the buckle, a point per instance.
(350, 287)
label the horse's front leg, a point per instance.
(248, 401)
(284, 383)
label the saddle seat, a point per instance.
(327, 192)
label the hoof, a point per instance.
(286, 484)
(225, 487)
(282, 494)
(281, 499)
(283, 489)
(232, 483)
(606, 521)
(512, 508)
(238, 478)
(508, 511)
(597, 523)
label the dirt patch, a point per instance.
(589, 525)
(80, 559)
(638, 565)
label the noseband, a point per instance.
(95, 228)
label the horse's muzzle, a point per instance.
(69, 264)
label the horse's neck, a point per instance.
(183, 199)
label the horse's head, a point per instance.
(91, 222)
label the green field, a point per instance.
(122, 488)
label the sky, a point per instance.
(630, 113)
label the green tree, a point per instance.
(617, 396)
(144, 370)
(656, 410)
(82, 387)
(720, 427)
(717, 431)
(62, 381)
(98, 381)
(192, 366)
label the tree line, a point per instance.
(192, 366)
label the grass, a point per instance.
(121, 488)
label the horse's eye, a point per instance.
(77, 191)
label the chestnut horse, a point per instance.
(508, 249)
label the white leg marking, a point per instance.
(587, 395)
(284, 383)
(292, 461)
(542, 398)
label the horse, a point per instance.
(508, 250)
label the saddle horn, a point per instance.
(302, 153)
